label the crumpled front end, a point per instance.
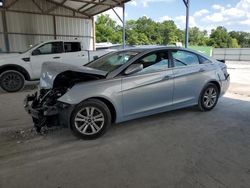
(56, 79)
(45, 109)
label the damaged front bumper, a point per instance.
(38, 112)
(45, 115)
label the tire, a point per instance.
(12, 81)
(83, 123)
(208, 97)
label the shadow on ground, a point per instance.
(182, 148)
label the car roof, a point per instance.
(62, 40)
(147, 49)
(152, 48)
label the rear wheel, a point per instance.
(209, 97)
(90, 119)
(11, 81)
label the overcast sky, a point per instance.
(205, 14)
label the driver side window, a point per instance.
(154, 62)
(49, 48)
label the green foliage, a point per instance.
(234, 43)
(243, 38)
(197, 37)
(220, 38)
(107, 30)
(168, 31)
(145, 31)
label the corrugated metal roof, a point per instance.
(81, 8)
(89, 8)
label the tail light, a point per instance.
(224, 70)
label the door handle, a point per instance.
(56, 57)
(168, 77)
(202, 70)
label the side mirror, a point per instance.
(134, 68)
(36, 52)
(95, 57)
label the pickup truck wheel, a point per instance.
(11, 81)
(90, 119)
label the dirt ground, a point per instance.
(184, 148)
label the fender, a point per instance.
(16, 68)
(213, 82)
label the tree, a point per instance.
(145, 31)
(135, 38)
(220, 38)
(197, 37)
(107, 30)
(234, 43)
(243, 38)
(181, 36)
(149, 28)
(168, 32)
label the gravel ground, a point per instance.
(184, 148)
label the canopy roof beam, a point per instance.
(97, 3)
(94, 6)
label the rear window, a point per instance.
(184, 58)
(72, 47)
(204, 60)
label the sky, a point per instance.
(232, 14)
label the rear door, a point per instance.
(190, 77)
(149, 90)
(73, 54)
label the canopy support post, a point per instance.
(187, 4)
(123, 21)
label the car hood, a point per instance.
(5, 57)
(50, 71)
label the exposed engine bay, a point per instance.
(43, 105)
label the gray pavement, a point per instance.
(240, 77)
(183, 148)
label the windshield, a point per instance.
(112, 61)
(31, 46)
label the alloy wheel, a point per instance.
(89, 120)
(210, 97)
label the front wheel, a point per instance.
(11, 81)
(90, 119)
(209, 97)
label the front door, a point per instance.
(51, 51)
(150, 90)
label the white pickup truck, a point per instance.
(17, 68)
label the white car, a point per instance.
(17, 68)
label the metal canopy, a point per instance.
(89, 8)
(56, 15)
(83, 8)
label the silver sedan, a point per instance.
(125, 85)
